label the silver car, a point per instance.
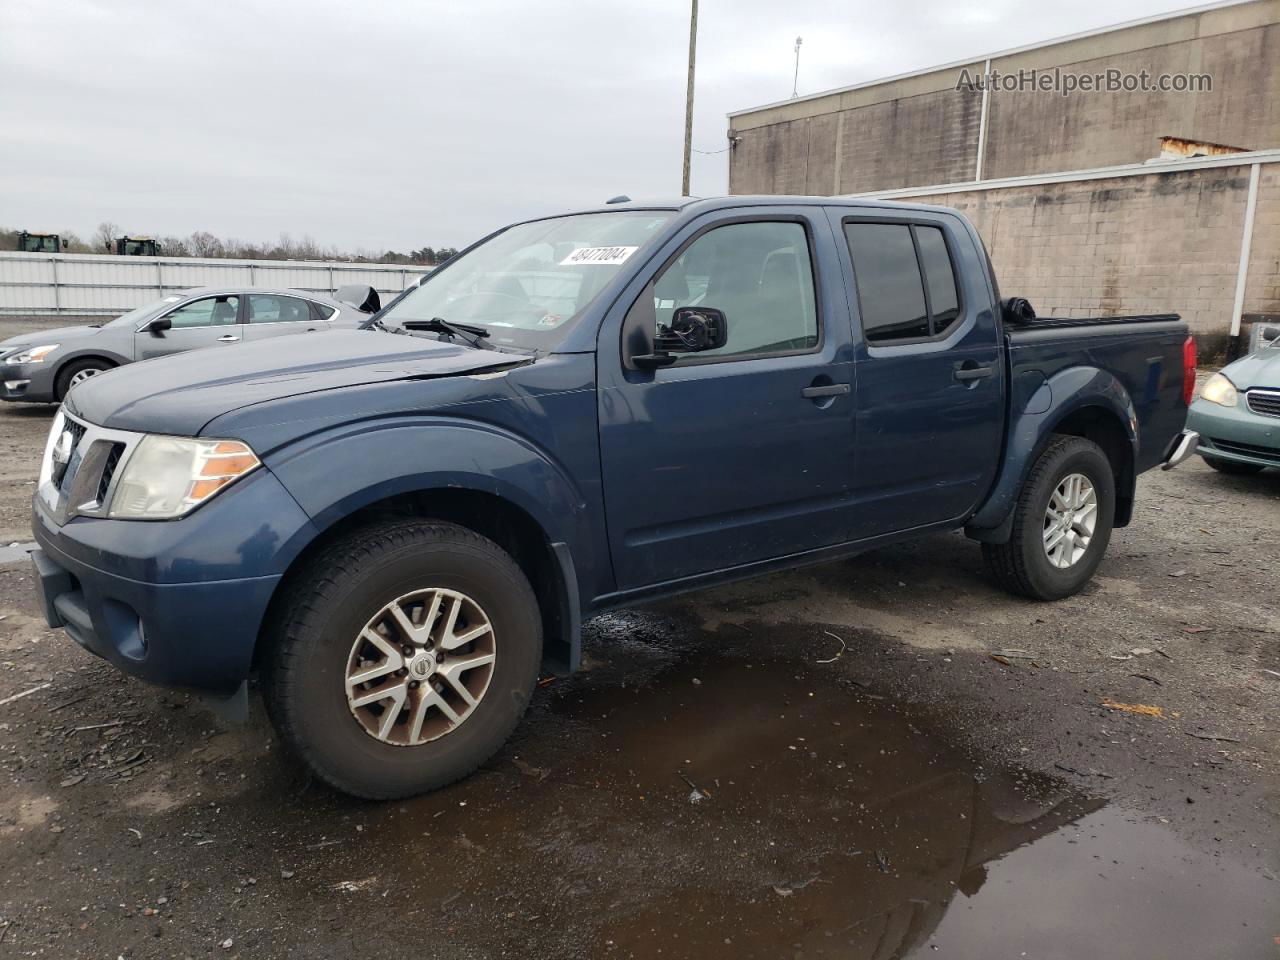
(41, 367)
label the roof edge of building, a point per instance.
(1011, 51)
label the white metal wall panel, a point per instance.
(33, 283)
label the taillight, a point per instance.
(1188, 370)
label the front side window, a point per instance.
(209, 312)
(269, 308)
(525, 284)
(906, 284)
(759, 274)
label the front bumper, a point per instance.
(1235, 433)
(176, 603)
(26, 382)
(187, 635)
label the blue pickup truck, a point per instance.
(397, 528)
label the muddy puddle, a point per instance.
(724, 807)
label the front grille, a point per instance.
(1270, 454)
(64, 478)
(1265, 402)
(109, 471)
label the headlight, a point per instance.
(166, 477)
(31, 354)
(1218, 389)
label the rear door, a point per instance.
(206, 322)
(742, 453)
(278, 315)
(930, 382)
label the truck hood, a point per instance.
(1259, 369)
(178, 395)
(56, 335)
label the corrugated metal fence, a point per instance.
(81, 284)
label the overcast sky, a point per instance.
(404, 123)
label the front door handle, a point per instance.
(972, 371)
(825, 390)
(228, 339)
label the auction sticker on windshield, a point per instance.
(610, 256)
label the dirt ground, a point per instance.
(884, 757)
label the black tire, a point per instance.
(325, 608)
(1022, 565)
(68, 373)
(1233, 467)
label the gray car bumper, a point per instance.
(27, 382)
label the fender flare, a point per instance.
(338, 472)
(1066, 393)
(433, 452)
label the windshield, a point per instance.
(134, 317)
(526, 283)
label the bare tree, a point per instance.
(205, 244)
(105, 235)
(71, 243)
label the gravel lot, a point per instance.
(828, 762)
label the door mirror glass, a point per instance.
(692, 330)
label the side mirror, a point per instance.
(159, 325)
(692, 330)
(364, 298)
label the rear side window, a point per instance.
(268, 308)
(320, 313)
(906, 283)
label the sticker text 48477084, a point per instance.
(609, 256)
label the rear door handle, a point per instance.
(826, 390)
(973, 372)
(228, 339)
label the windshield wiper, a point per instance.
(440, 325)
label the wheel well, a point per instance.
(1104, 428)
(87, 356)
(491, 516)
(57, 375)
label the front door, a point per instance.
(930, 384)
(207, 322)
(745, 452)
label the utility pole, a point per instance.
(795, 82)
(688, 99)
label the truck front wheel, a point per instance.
(1061, 523)
(402, 657)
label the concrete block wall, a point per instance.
(918, 130)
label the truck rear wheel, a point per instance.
(402, 657)
(1061, 523)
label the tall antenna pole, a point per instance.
(795, 82)
(688, 99)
